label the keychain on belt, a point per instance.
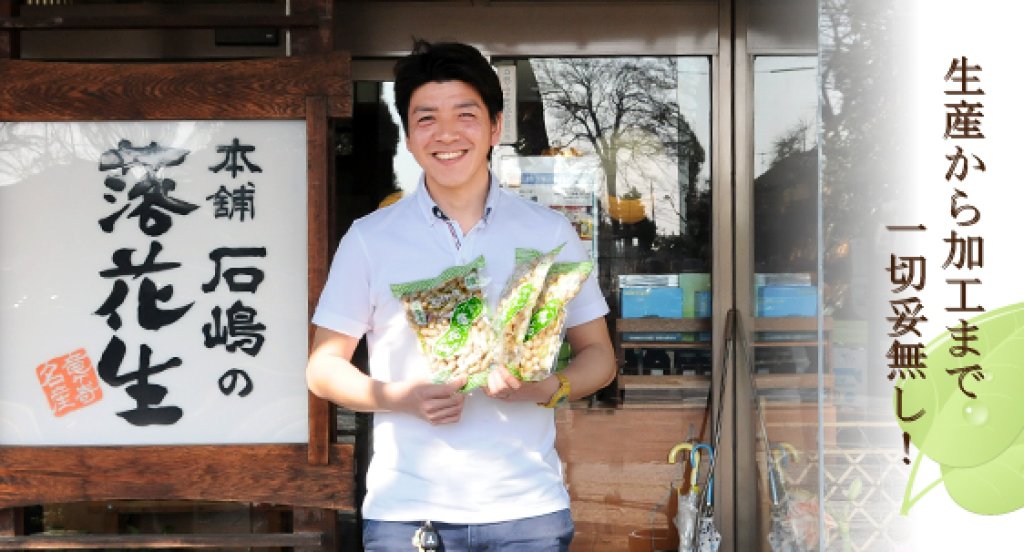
(425, 538)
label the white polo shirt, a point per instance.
(498, 462)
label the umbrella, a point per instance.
(795, 519)
(708, 538)
(783, 535)
(687, 510)
(781, 453)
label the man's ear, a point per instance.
(496, 129)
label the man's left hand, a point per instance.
(501, 384)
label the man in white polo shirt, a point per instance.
(482, 467)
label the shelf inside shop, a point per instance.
(680, 386)
(765, 382)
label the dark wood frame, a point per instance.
(316, 478)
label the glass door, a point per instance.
(785, 353)
(782, 374)
(621, 146)
(683, 145)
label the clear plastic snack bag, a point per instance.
(518, 298)
(535, 353)
(450, 318)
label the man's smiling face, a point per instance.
(450, 134)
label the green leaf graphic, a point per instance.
(956, 430)
(993, 488)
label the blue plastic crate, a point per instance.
(652, 302)
(782, 300)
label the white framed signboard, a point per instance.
(153, 283)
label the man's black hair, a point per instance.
(443, 62)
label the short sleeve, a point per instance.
(344, 304)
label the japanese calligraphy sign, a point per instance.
(955, 320)
(153, 283)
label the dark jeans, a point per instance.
(547, 533)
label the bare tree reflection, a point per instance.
(19, 152)
(615, 106)
(625, 112)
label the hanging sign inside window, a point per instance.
(565, 184)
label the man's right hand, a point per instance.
(437, 403)
(331, 375)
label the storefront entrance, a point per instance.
(685, 143)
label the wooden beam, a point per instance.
(179, 21)
(33, 91)
(276, 474)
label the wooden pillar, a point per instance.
(320, 411)
(12, 522)
(322, 429)
(9, 43)
(316, 520)
(318, 40)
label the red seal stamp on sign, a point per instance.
(69, 382)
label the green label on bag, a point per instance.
(463, 316)
(466, 312)
(542, 318)
(450, 341)
(520, 301)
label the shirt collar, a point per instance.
(433, 214)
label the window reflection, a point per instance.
(786, 325)
(640, 128)
(785, 163)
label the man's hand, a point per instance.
(501, 384)
(331, 375)
(591, 368)
(437, 403)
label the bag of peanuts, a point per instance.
(449, 315)
(518, 298)
(535, 354)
